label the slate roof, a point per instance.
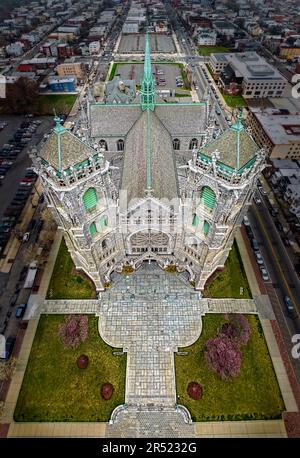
(113, 120)
(148, 149)
(182, 119)
(63, 149)
(236, 147)
(179, 119)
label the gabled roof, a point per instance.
(235, 147)
(149, 159)
(113, 120)
(63, 149)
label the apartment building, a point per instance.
(71, 68)
(278, 131)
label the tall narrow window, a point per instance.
(93, 229)
(176, 144)
(120, 145)
(90, 199)
(103, 222)
(194, 143)
(195, 220)
(206, 227)
(103, 144)
(208, 197)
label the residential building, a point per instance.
(206, 37)
(218, 62)
(71, 68)
(94, 48)
(277, 130)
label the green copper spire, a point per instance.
(238, 127)
(148, 83)
(58, 129)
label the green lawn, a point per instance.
(66, 282)
(234, 100)
(113, 70)
(207, 50)
(54, 389)
(254, 394)
(63, 103)
(227, 283)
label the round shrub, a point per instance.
(194, 390)
(107, 390)
(82, 361)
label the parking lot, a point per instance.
(18, 135)
(135, 43)
(165, 74)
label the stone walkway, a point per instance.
(134, 423)
(70, 306)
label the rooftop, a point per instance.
(252, 66)
(281, 129)
(235, 148)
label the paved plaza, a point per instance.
(149, 314)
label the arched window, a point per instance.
(120, 145)
(90, 199)
(208, 197)
(206, 227)
(103, 144)
(103, 222)
(194, 143)
(176, 144)
(93, 229)
(195, 220)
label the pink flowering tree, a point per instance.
(237, 328)
(223, 356)
(74, 330)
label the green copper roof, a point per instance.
(148, 83)
(235, 147)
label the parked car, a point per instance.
(21, 310)
(278, 225)
(26, 237)
(259, 258)
(264, 273)
(257, 199)
(9, 346)
(246, 221)
(249, 232)
(254, 244)
(289, 305)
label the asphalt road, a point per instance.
(283, 278)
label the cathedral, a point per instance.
(148, 181)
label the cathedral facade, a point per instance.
(150, 181)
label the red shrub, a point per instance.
(194, 390)
(107, 390)
(82, 361)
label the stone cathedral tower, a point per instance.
(149, 183)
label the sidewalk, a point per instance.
(16, 382)
(276, 354)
